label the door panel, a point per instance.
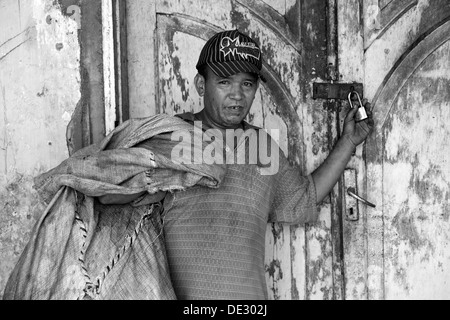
(298, 259)
(416, 177)
(412, 158)
(407, 78)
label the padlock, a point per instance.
(361, 114)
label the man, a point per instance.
(215, 214)
(215, 237)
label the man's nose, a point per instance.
(236, 92)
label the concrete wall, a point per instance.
(40, 88)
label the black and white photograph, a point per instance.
(236, 151)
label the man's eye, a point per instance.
(248, 84)
(224, 82)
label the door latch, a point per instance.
(351, 197)
(340, 91)
(352, 193)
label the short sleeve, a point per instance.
(295, 200)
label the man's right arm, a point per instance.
(328, 173)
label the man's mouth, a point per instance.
(235, 107)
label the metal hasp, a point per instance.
(340, 91)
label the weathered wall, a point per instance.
(39, 91)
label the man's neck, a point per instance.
(202, 117)
(206, 122)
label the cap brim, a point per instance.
(229, 68)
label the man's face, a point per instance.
(227, 101)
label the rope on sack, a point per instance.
(89, 286)
(129, 240)
(91, 289)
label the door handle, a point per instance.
(351, 192)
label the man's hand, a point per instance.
(354, 131)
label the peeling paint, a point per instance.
(372, 21)
(177, 70)
(319, 270)
(416, 184)
(275, 273)
(40, 87)
(274, 270)
(21, 208)
(407, 230)
(397, 39)
(215, 14)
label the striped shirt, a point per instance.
(215, 237)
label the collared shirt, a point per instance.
(215, 237)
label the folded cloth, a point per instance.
(81, 249)
(125, 161)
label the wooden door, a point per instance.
(164, 41)
(401, 248)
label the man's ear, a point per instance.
(200, 84)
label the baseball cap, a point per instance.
(230, 52)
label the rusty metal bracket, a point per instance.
(340, 91)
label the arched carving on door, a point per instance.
(380, 221)
(398, 76)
